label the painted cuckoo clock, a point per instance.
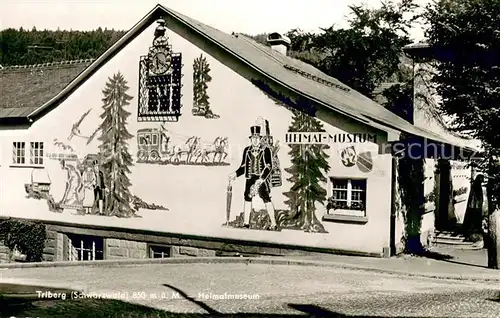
(160, 80)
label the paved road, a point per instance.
(281, 289)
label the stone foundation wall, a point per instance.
(178, 251)
(4, 254)
(60, 247)
(120, 249)
(51, 246)
(116, 249)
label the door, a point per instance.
(443, 221)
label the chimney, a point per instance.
(278, 42)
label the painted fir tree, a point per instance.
(309, 166)
(115, 156)
(201, 78)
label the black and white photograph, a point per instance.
(163, 158)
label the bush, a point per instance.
(27, 237)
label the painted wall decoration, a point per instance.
(76, 132)
(365, 162)
(97, 183)
(309, 164)
(63, 146)
(350, 158)
(39, 189)
(115, 156)
(308, 170)
(201, 78)
(261, 169)
(160, 80)
(156, 146)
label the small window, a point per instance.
(155, 139)
(348, 196)
(159, 251)
(85, 248)
(36, 153)
(19, 153)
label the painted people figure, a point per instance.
(89, 181)
(256, 165)
(99, 188)
(73, 185)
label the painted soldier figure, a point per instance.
(256, 165)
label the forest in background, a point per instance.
(23, 47)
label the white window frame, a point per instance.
(349, 190)
(36, 153)
(29, 150)
(16, 146)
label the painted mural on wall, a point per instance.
(350, 158)
(97, 183)
(75, 131)
(160, 80)
(308, 172)
(157, 146)
(201, 78)
(260, 167)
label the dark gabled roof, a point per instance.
(24, 88)
(297, 76)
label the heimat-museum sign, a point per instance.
(326, 138)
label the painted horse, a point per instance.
(188, 148)
(217, 148)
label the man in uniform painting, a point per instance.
(256, 165)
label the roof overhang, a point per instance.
(418, 147)
(394, 133)
(15, 121)
(424, 51)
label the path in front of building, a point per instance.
(281, 289)
(468, 264)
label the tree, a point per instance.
(116, 158)
(309, 166)
(367, 53)
(17, 46)
(201, 78)
(410, 174)
(466, 40)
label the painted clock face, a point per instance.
(160, 63)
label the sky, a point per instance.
(251, 17)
